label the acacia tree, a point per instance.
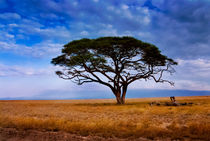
(114, 62)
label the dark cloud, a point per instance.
(180, 28)
(183, 28)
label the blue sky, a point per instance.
(34, 31)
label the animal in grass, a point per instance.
(173, 99)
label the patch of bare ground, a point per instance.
(12, 134)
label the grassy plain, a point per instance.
(106, 119)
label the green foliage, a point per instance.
(98, 50)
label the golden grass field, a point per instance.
(106, 119)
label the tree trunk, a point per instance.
(121, 97)
(123, 94)
(118, 98)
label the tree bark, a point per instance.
(121, 97)
(123, 94)
(118, 98)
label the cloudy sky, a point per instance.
(34, 31)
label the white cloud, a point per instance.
(144, 34)
(30, 85)
(193, 74)
(194, 69)
(146, 20)
(8, 70)
(58, 32)
(49, 16)
(110, 32)
(4, 45)
(75, 3)
(197, 63)
(27, 81)
(125, 7)
(9, 36)
(13, 25)
(10, 16)
(110, 8)
(192, 85)
(84, 33)
(189, 75)
(40, 50)
(30, 27)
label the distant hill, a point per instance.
(89, 94)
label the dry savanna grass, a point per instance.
(106, 119)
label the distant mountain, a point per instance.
(89, 94)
